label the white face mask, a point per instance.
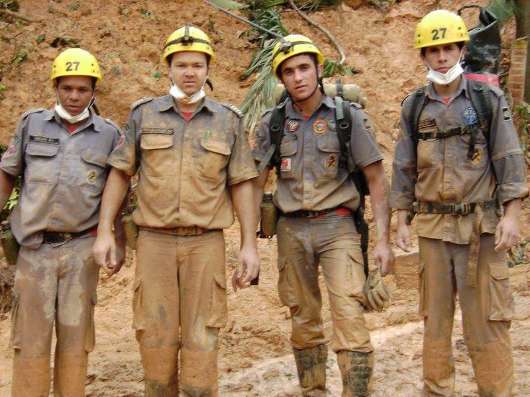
(447, 77)
(63, 113)
(181, 97)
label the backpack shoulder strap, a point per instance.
(413, 108)
(479, 95)
(276, 132)
(343, 121)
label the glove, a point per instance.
(376, 293)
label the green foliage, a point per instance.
(332, 68)
(157, 75)
(11, 5)
(228, 4)
(146, 13)
(40, 38)
(19, 57)
(518, 255)
(502, 9)
(522, 122)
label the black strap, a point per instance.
(343, 121)
(443, 134)
(425, 207)
(276, 126)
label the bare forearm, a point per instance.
(512, 209)
(244, 201)
(7, 182)
(402, 216)
(259, 187)
(113, 196)
(378, 187)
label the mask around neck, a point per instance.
(448, 77)
(63, 113)
(181, 97)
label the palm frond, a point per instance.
(228, 4)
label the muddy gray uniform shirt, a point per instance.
(63, 174)
(310, 176)
(439, 170)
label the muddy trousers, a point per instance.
(179, 306)
(331, 242)
(487, 307)
(53, 285)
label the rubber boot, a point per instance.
(356, 370)
(161, 371)
(69, 375)
(31, 376)
(311, 366)
(198, 373)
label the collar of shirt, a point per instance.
(97, 122)
(292, 113)
(433, 96)
(166, 103)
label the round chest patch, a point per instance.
(470, 116)
(320, 126)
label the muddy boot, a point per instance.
(199, 373)
(31, 376)
(157, 389)
(356, 370)
(311, 366)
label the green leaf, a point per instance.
(228, 4)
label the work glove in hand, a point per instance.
(376, 293)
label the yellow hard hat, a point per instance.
(75, 62)
(440, 27)
(188, 38)
(291, 45)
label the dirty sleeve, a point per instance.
(241, 166)
(507, 157)
(13, 158)
(126, 155)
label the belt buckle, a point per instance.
(461, 208)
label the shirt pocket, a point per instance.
(288, 149)
(41, 164)
(94, 170)
(480, 156)
(328, 156)
(429, 153)
(214, 158)
(157, 154)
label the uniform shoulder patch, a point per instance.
(110, 122)
(141, 102)
(233, 109)
(26, 114)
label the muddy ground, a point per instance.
(255, 357)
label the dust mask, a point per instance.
(448, 77)
(181, 97)
(63, 113)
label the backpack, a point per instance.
(343, 120)
(482, 104)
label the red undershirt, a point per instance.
(187, 115)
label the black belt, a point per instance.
(311, 214)
(182, 231)
(61, 237)
(423, 207)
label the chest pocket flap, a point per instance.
(329, 144)
(288, 148)
(95, 158)
(156, 138)
(216, 146)
(42, 149)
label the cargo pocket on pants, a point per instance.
(285, 289)
(138, 309)
(501, 299)
(358, 277)
(90, 337)
(218, 313)
(422, 307)
(14, 339)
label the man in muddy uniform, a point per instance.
(459, 168)
(194, 161)
(61, 155)
(317, 198)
